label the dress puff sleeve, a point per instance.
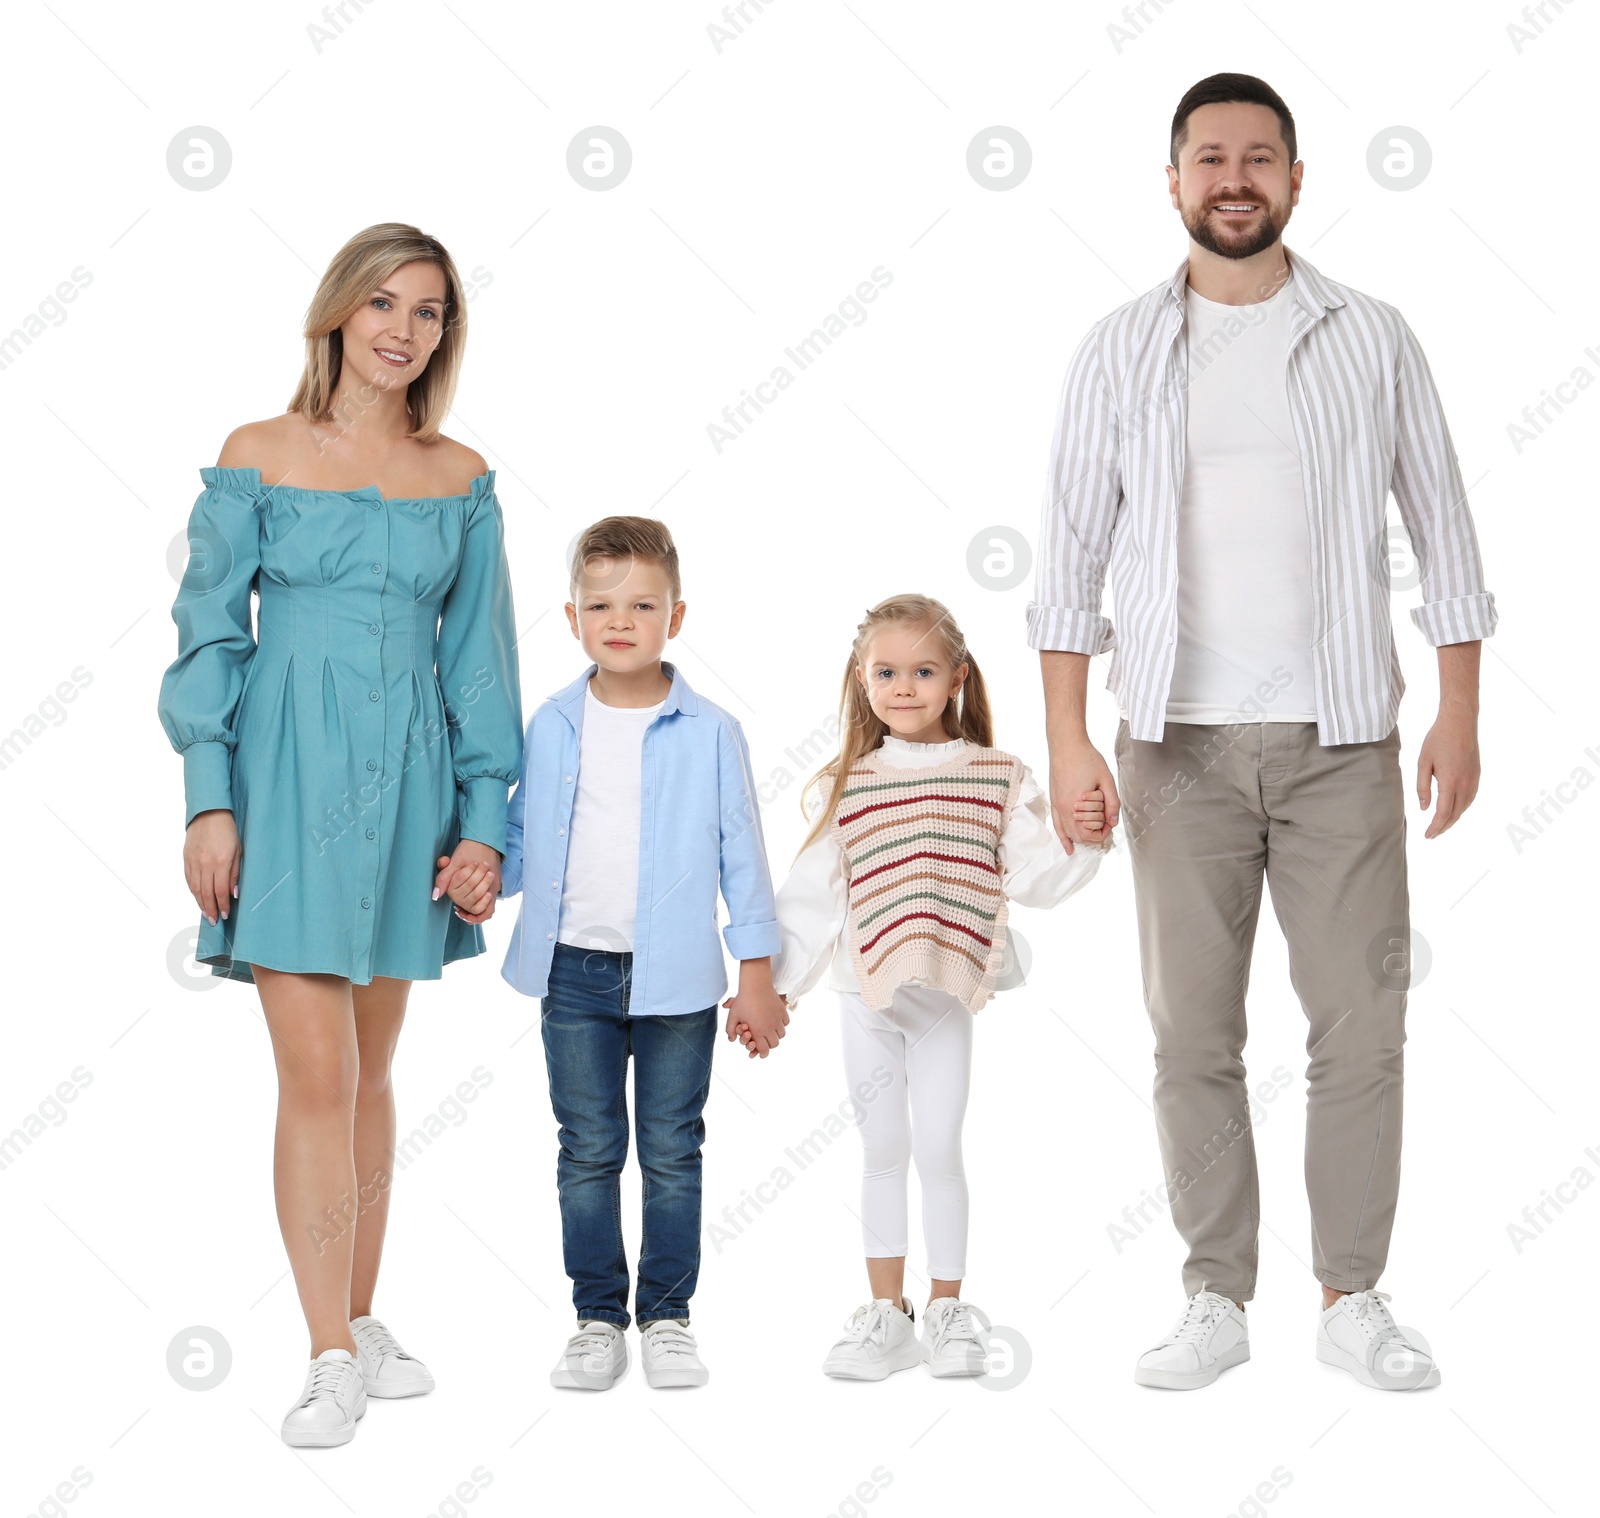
(200, 690)
(478, 673)
(1036, 871)
(812, 904)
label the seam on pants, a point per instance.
(1361, 1212)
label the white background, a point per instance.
(768, 180)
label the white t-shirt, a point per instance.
(1244, 544)
(600, 890)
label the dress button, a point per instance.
(366, 901)
(372, 764)
(371, 833)
(373, 629)
(377, 569)
(377, 505)
(374, 695)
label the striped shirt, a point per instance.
(926, 900)
(1367, 419)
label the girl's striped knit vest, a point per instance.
(925, 897)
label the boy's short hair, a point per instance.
(627, 539)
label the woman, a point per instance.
(362, 740)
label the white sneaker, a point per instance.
(1358, 1335)
(1210, 1336)
(386, 1369)
(595, 1359)
(951, 1343)
(669, 1354)
(330, 1404)
(879, 1339)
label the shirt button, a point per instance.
(366, 901)
(549, 935)
(377, 569)
(555, 885)
(374, 695)
(561, 832)
(371, 833)
(569, 779)
(372, 764)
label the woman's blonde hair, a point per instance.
(861, 729)
(357, 269)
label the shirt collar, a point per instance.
(679, 699)
(1311, 290)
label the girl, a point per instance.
(346, 762)
(922, 832)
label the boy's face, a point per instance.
(624, 613)
(909, 681)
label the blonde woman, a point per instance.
(922, 835)
(346, 765)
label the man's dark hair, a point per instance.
(1225, 89)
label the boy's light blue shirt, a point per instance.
(699, 827)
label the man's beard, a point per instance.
(1267, 230)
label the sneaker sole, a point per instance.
(1330, 1354)
(852, 1370)
(395, 1390)
(956, 1367)
(325, 1438)
(661, 1379)
(563, 1379)
(1192, 1380)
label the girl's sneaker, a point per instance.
(386, 1369)
(669, 1354)
(951, 1342)
(879, 1339)
(330, 1404)
(595, 1359)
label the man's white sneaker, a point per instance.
(1209, 1337)
(595, 1359)
(951, 1342)
(1358, 1335)
(330, 1404)
(386, 1369)
(669, 1354)
(879, 1339)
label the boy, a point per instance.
(635, 803)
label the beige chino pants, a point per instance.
(1211, 812)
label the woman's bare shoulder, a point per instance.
(268, 445)
(458, 462)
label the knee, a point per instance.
(319, 1075)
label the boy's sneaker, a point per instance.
(1358, 1335)
(951, 1342)
(330, 1404)
(386, 1369)
(669, 1354)
(595, 1359)
(879, 1339)
(1209, 1337)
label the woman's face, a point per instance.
(388, 342)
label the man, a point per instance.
(1226, 444)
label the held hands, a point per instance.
(757, 1015)
(1084, 806)
(472, 877)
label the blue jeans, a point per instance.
(588, 1037)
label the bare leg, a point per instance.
(380, 1010)
(887, 1276)
(312, 1022)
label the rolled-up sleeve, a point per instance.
(752, 928)
(1083, 494)
(199, 699)
(477, 661)
(1456, 608)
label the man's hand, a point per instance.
(1084, 806)
(1450, 756)
(472, 877)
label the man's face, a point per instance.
(1233, 183)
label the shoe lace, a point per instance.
(669, 1338)
(956, 1323)
(1373, 1317)
(868, 1324)
(378, 1342)
(1195, 1324)
(324, 1383)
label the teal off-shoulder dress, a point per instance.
(371, 720)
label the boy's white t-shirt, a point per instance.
(599, 893)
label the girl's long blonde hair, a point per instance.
(861, 729)
(356, 270)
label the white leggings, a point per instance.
(919, 1047)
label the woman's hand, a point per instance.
(472, 877)
(211, 855)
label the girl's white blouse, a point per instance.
(1035, 871)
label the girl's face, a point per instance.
(389, 340)
(909, 680)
